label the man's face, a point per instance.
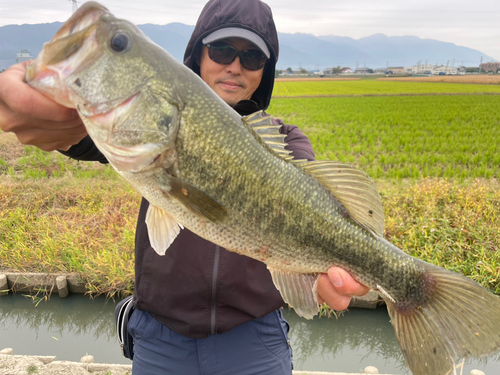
(231, 82)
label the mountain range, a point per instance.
(296, 50)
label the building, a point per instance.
(396, 69)
(422, 69)
(23, 56)
(490, 67)
(346, 70)
(444, 69)
(363, 71)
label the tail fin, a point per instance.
(459, 319)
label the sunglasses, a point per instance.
(250, 59)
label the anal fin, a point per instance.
(298, 290)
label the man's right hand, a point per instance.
(35, 119)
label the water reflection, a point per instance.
(73, 315)
(71, 327)
(67, 328)
(359, 338)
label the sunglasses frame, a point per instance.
(211, 47)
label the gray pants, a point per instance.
(260, 346)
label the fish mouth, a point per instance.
(73, 44)
(106, 112)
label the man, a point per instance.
(199, 309)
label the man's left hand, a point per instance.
(337, 287)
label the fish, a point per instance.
(231, 180)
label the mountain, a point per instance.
(408, 50)
(296, 50)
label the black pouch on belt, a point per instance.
(123, 312)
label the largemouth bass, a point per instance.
(230, 180)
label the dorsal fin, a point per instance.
(269, 133)
(353, 188)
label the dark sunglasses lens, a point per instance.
(222, 54)
(252, 59)
(225, 54)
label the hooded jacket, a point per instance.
(198, 288)
(252, 15)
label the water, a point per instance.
(72, 327)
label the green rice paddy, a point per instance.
(60, 215)
(372, 87)
(395, 137)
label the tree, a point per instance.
(337, 70)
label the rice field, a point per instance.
(376, 87)
(483, 79)
(398, 137)
(59, 215)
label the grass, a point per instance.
(453, 225)
(68, 225)
(60, 215)
(376, 87)
(434, 159)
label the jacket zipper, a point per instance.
(214, 290)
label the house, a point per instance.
(362, 70)
(346, 71)
(396, 69)
(23, 56)
(490, 67)
(444, 69)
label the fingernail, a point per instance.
(336, 279)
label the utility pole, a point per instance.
(75, 5)
(480, 65)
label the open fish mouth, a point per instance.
(107, 112)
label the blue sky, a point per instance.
(472, 24)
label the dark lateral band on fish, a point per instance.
(231, 181)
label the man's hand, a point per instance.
(35, 119)
(337, 287)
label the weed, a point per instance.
(32, 369)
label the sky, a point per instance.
(473, 24)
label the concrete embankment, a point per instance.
(11, 364)
(64, 284)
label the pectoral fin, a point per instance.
(196, 200)
(162, 229)
(298, 290)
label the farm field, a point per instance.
(376, 87)
(435, 159)
(484, 79)
(397, 137)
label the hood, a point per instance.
(253, 15)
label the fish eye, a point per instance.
(120, 42)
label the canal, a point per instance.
(71, 327)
